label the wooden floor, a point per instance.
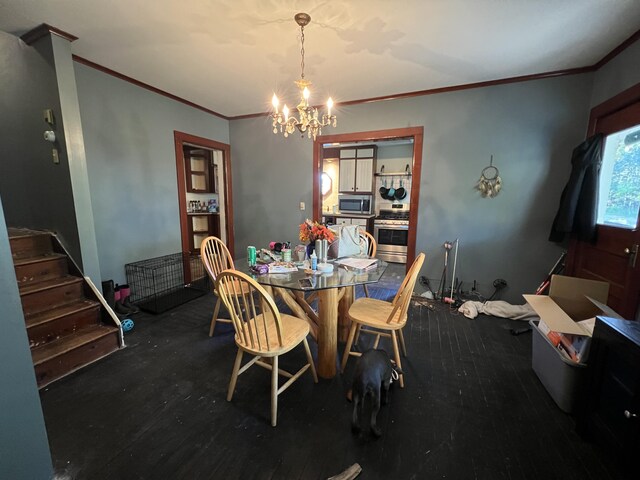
(472, 408)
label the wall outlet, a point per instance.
(302, 205)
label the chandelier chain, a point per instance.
(302, 52)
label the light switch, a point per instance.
(301, 205)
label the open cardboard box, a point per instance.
(570, 309)
(572, 300)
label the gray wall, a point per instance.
(529, 127)
(620, 73)
(35, 192)
(24, 450)
(128, 135)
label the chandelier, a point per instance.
(308, 120)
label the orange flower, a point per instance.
(312, 231)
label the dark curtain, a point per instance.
(579, 201)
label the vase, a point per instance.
(310, 249)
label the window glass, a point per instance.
(619, 194)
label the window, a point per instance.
(326, 183)
(619, 193)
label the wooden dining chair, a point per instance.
(383, 319)
(262, 331)
(372, 247)
(216, 258)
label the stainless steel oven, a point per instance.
(391, 231)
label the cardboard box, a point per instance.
(569, 310)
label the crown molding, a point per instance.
(43, 30)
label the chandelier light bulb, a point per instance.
(329, 106)
(274, 102)
(285, 110)
(305, 93)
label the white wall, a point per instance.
(622, 72)
(129, 143)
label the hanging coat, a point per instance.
(579, 201)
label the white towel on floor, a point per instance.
(498, 308)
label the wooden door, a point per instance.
(613, 258)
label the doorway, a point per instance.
(614, 256)
(415, 134)
(203, 169)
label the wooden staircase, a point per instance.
(68, 323)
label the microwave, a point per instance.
(354, 204)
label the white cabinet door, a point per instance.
(365, 152)
(343, 221)
(361, 222)
(347, 174)
(364, 175)
(348, 153)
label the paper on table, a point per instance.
(358, 263)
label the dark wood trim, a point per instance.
(616, 51)
(43, 30)
(417, 133)
(180, 138)
(620, 101)
(146, 86)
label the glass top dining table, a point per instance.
(341, 276)
(334, 291)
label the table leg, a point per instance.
(327, 332)
(344, 324)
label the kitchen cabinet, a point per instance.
(356, 169)
(609, 411)
(364, 223)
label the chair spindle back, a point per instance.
(401, 300)
(255, 316)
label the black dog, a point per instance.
(373, 370)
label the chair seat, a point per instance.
(238, 286)
(295, 329)
(375, 313)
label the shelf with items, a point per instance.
(393, 174)
(382, 173)
(201, 226)
(201, 173)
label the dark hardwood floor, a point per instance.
(472, 408)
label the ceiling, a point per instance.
(229, 56)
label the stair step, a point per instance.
(40, 296)
(50, 325)
(28, 243)
(40, 268)
(67, 354)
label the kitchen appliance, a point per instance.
(391, 231)
(354, 204)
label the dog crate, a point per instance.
(161, 283)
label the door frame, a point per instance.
(180, 138)
(417, 133)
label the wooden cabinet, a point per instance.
(201, 226)
(201, 174)
(609, 412)
(356, 169)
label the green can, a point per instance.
(251, 255)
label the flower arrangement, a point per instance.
(311, 231)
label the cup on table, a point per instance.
(286, 255)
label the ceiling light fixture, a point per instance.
(307, 120)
